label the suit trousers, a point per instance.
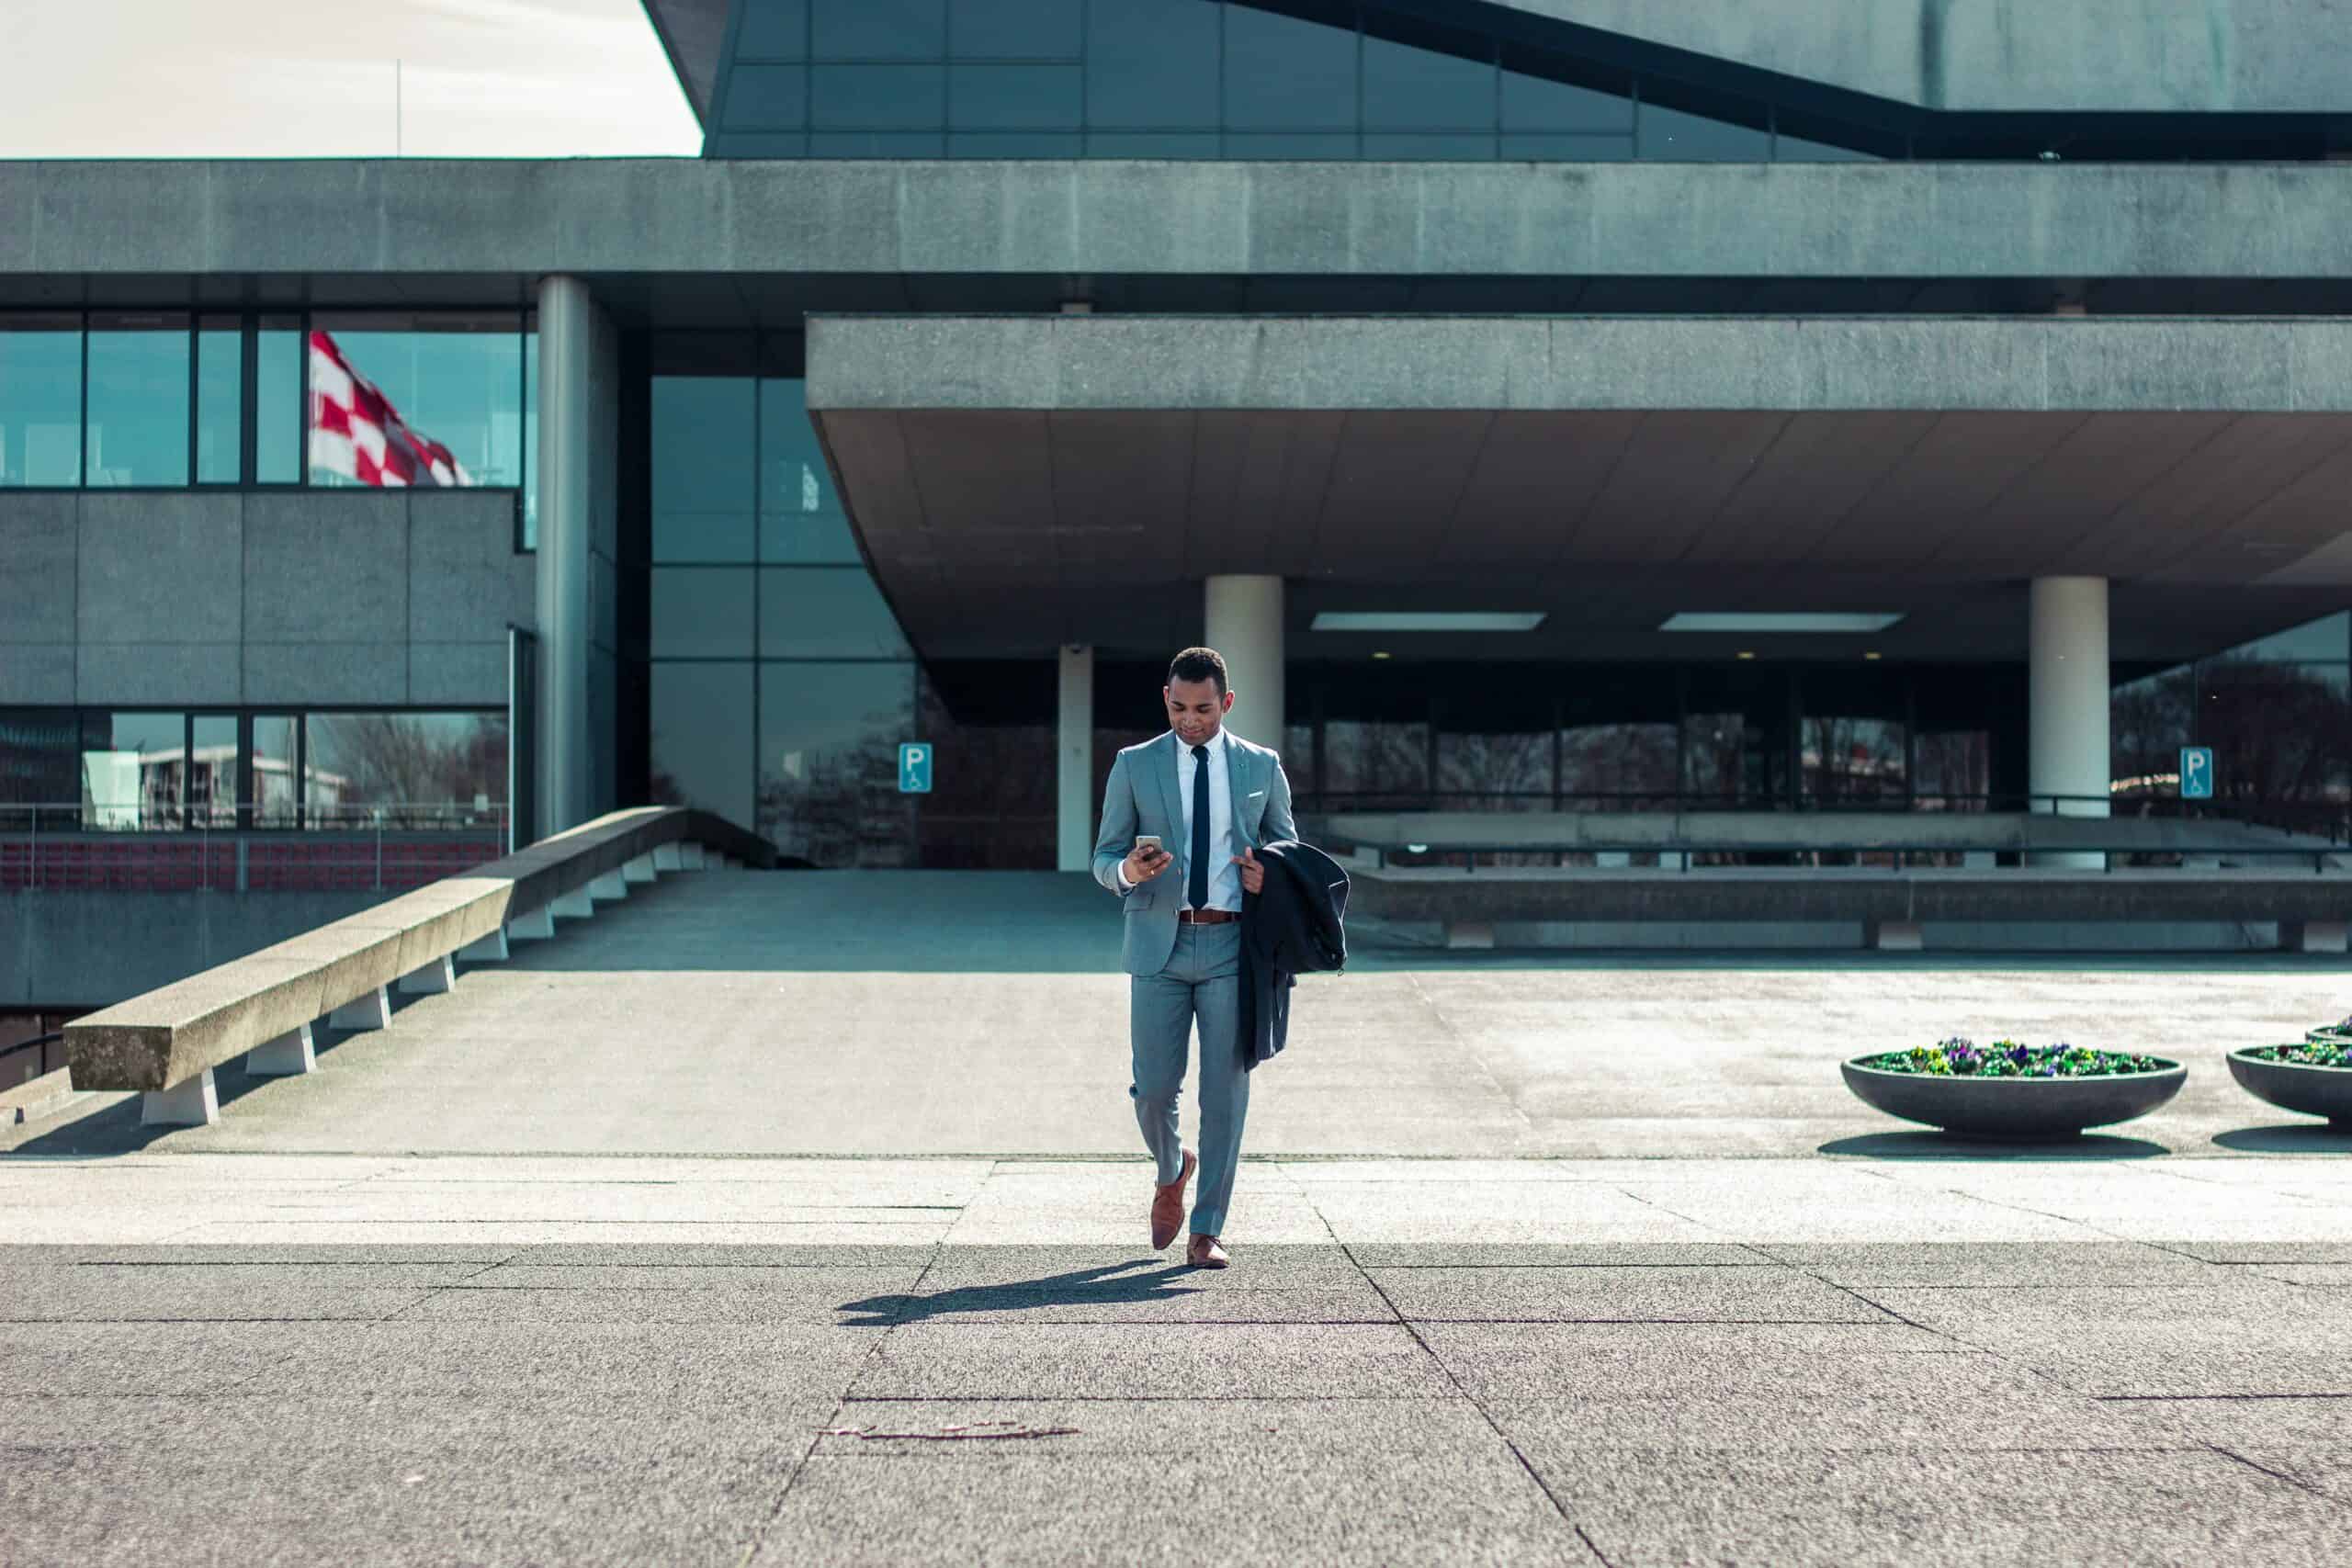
(1200, 983)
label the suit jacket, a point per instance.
(1141, 798)
(1297, 926)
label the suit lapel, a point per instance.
(1236, 784)
(1172, 807)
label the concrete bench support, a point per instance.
(609, 889)
(435, 980)
(1476, 936)
(1894, 936)
(189, 1103)
(490, 949)
(2311, 936)
(289, 1056)
(692, 857)
(667, 858)
(373, 1010)
(640, 868)
(538, 925)
(575, 905)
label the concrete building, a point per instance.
(1553, 405)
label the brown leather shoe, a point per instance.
(1168, 1205)
(1203, 1252)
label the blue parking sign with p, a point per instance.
(2197, 773)
(914, 768)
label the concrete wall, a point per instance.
(2260, 56)
(303, 598)
(514, 220)
(96, 949)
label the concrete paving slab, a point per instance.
(646, 1272)
(1215, 1506)
(2254, 1355)
(1896, 1264)
(1558, 1254)
(1368, 1429)
(1497, 1212)
(1291, 1267)
(1621, 1296)
(2231, 1422)
(150, 1359)
(121, 1295)
(822, 1305)
(1536, 1361)
(1803, 1507)
(942, 1359)
(2233, 1297)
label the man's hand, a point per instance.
(1253, 872)
(1144, 862)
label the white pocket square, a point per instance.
(1256, 793)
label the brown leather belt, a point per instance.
(1204, 916)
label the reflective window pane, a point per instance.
(774, 30)
(1026, 97)
(767, 98)
(1015, 29)
(211, 786)
(139, 400)
(133, 768)
(828, 763)
(1671, 136)
(404, 770)
(1145, 144)
(701, 460)
(1569, 149)
(1151, 64)
(219, 402)
(1016, 144)
(1544, 92)
(878, 144)
(1311, 145)
(277, 401)
(275, 789)
(825, 613)
(700, 612)
(879, 97)
(881, 29)
(531, 438)
(40, 401)
(2329, 638)
(1430, 147)
(1289, 72)
(2279, 732)
(1412, 87)
(1366, 761)
(801, 520)
(446, 397)
(41, 761)
(702, 735)
(991, 727)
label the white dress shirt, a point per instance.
(1225, 878)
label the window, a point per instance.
(40, 760)
(137, 426)
(829, 761)
(277, 401)
(275, 771)
(40, 400)
(448, 399)
(220, 400)
(702, 737)
(801, 520)
(702, 473)
(407, 770)
(825, 613)
(1285, 72)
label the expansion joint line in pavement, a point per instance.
(2274, 1474)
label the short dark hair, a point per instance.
(1199, 664)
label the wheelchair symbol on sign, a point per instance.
(914, 769)
(2197, 773)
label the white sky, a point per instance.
(313, 78)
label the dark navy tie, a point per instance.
(1197, 893)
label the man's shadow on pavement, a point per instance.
(1105, 1286)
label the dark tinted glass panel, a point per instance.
(455, 380)
(278, 402)
(822, 612)
(800, 517)
(761, 144)
(702, 728)
(829, 761)
(877, 144)
(1789, 149)
(1412, 87)
(1617, 765)
(1672, 136)
(1020, 29)
(1151, 64)
(1026, 98)
(991, 727)
(1954, 769)
(40, 401)
(1545, 93)
(409, 770)
(220, 402)
(777, 29)
(273, 786)
(701, 469)
(1802, 138)
(1373, 758)
(1289, 72)
(40, 760)
(2329, 638)
(1322, 144)
(760, 97)
(852, 97)
(132, 767)
(211, 786)
(1143, 145)
(1430, 146)
(881, 29)
(139, 400)
(1569, 149)
(700, 612)
(531, 436)
(2279, 732)
(1016, 144)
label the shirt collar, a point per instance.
(1215, 743)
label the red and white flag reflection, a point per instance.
(355, 432)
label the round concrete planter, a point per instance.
(2015, 1108)
(2292, 1086)
(2328, 1034)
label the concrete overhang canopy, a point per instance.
(2009, 56)
(1021, 482)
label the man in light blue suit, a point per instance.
(1182, 820)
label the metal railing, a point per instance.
(1691, 854)
(246, 847)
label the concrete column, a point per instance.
(1245, 623)
(567, 324)
(193, 1103)
(289, 1056)
(2067, 717)
(1074, 761)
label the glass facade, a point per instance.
(1203, 79)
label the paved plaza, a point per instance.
(787, 1219)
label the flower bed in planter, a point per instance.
(2314, 1077)
(2008, 1089)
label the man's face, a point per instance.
(1195, 710)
